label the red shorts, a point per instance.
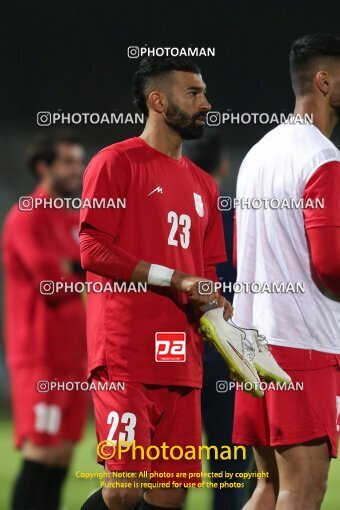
(150, 416)
(46, 417)
(286, 417)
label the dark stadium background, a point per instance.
(72, 55)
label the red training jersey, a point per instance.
(42, 330)
(170, 218)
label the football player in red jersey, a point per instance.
(169, 236)
(45, 331)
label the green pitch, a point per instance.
(77, 490)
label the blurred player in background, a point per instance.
(295, 433)
(45, 331)
(217, 399)
(169, 235)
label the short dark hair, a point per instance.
(153, 67)
(45, 149)
(305, 52)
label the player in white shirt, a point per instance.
(295, 433)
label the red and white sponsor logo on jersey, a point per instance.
(170, 346)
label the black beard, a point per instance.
(63, 191)
(183, 123)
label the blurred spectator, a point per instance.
(45, 330)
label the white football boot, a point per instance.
(234, 347)
(264, 362)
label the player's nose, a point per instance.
(205, 105)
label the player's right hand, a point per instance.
(194, 287)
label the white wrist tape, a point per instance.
(160, 275)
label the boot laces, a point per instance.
(262, 343)
(248, 350)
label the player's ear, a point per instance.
(322, 82)
(157, 101)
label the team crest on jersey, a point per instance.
(199, 206)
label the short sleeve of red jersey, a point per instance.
(322, 226)
(323, 185)
(214, 250)
(106, 180)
